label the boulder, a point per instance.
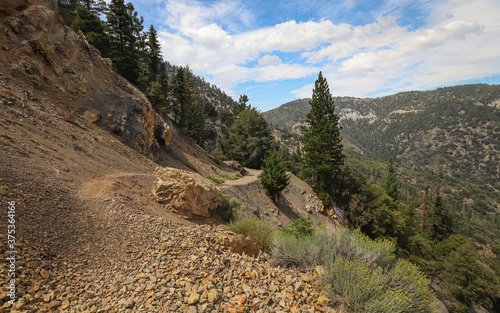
(185, 192)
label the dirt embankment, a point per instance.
(297, 199)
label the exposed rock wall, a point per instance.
(48, 60)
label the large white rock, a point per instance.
(185, 192)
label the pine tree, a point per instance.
(183, 93)
(154, 53)
(186, 108)
(67, 9)
(390, 185)
(442, 223)
(323, 155)
(242, 105)
(248, 139)
(95, 6)
(274, 176)
(158, 97)
(124, 28)
(93, 29)
(195, 124)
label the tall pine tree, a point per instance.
(154, 58)
(124, 27)
(93, 29)
(186, 108)
(323, 155)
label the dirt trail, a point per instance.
(252, 177)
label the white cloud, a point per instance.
(184, 14)
(459, 42)
(210, 36)
(303, 92)
(269, 59)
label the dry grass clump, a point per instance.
(259, 231)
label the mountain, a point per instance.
(448, 138)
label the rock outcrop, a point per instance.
(48, 60)
(185, 192)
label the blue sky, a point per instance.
(272, 51)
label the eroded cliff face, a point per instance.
(48, 60)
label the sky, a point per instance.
(272, 51)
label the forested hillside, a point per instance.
(449, 136)
(445, 176)
(198, 107)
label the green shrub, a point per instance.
(218, 156)
(359, 272)
(373, 289)
(294, 248)
(260, 232)
(191, 166)
(290, 250)
(216, 179)
(352, 282)
(408, 280)
(230, 176)
(227, 207)
(356, 245)
(301, 227)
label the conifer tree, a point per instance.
(441, 221)
(186, 108)
(248, 139)
(95, 6)
(274, 176)
(154, 53)
(390, 185)
(93, 29)
(183, 93)
(151, 61)
(124, 27)
(242, 105)
(323, 155)
(158, 96)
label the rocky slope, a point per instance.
(79, 149)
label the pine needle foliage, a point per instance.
(323, 155)
(274, 176)
(248, 139)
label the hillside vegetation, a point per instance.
(445, 185)
(447, 137)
